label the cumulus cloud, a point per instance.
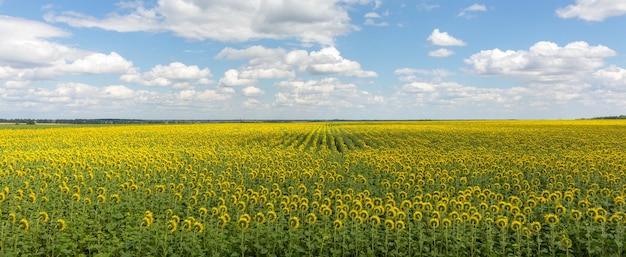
(252, 91)
(232, 79)
(99, 63)
(71, 99)
(233, 20)
(328, 92)
(441, 52)
(266, 63)
(467, 12)
(371, 20)
(444, 39)
(329, 61)
(28, 54)
(175, 74)
(593, 10)
(543, 62)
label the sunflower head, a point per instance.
(389, 224)
(294, 222)
(61, 225)
(311, 218)
(374, 220)
(43, 217)
(551, 219)
(338, 224)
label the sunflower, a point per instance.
(342, 215)
(294, 222)
(24, 224)
(326, 211)
(560, 209)
(474, 220)
(502, 222)
(203, 212)
(198, 227)
(115, 197)
(575, 215)
(243, 223)
(271, 216)
(516, 225)
(389, 224)
(259, 218)
(566, 242)
(311, 218)
(616, 218)
(374, 220)
(43, 217)
(171, 226)
(338, 224)
(400, 225)
(433, 223)
(61, 225)
(599, 219)
(446, 223)
(551, 219)
(417, 216)
(187, 224)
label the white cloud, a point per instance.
(441, 52)
(99, 63)
(444, 39)
(593, 10)
(252, 91)
(328, 92)
(174, 74)
(265, 63)
(329, 61)
(371, 18)
(253, 104)
(614, 77)
(232, 79)
(543, 62)
(28, 54)
(24, 44)
(466, 12)
(233, 20)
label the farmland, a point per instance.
(437, 188)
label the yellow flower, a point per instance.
(43, 217)
(171, 226)
(502, 222)
(294, 222)
(374, 220)
(311, 218)
(338, 224)
(566, 242)
(516, 225)
(599, 219)
(389, 224)
(61, 225)
(551, 219)
(101, 198)
(203, 212)
(24, 224)
(575, 215)
(76, 197)
(400, 225)
(115, 197)
(259, 218)
(433, 223)
(271, 216)
(198, 227)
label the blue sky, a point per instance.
(323, 59)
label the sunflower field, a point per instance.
(431, 188)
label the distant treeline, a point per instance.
(136, 121)
(621, 117)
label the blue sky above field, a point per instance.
(323, 59)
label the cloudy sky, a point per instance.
(322, 59)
